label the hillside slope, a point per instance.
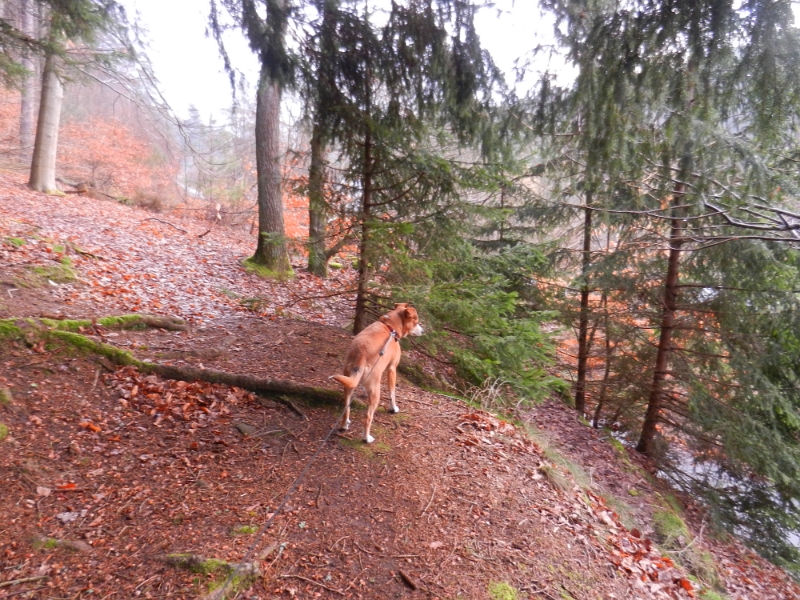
(108, 474)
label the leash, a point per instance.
(220, 592)
(392, 335)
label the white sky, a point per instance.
(190, 71)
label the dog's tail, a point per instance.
(349, 383)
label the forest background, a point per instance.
(626, 239)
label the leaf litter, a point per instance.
(129, 467)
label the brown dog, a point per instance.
(372, 352)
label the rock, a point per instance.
(245, 429)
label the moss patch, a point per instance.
(670, 529)
(500, 590)
(265, 273)
(218, 572)
(15, 241)
(57, 273)
(376, 448)
(6, 397)
(3, 431)
(244, 530)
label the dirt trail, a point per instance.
(123, 469)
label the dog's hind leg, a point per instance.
(345, 423)
(374, 400)
(392, 376)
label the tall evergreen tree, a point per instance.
(692, 108)
(264, 22)
(375, 89)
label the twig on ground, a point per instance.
(407, 580)
(331, 295)
(311, 581)
(23, 580)
(19, 593)
(433, 494)
(166, 223)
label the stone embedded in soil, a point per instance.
(246, 430)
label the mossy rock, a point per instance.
(500, 590)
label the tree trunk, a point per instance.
(317, 207)
(601, 396)
(656, 397)
(43, 165)
(360, 321)
(583, 321)
(27, 113)
(271, 249)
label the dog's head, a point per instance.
(407, 316)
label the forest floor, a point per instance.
(110, 478)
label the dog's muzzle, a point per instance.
(417, 330)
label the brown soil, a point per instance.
(124, 469)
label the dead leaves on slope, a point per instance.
(583, 513)
(172, 402)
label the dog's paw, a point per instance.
(346, 426)
(394, 409)
(369, 439)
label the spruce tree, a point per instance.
(690, 110)
(265, 23)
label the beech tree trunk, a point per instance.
(43, 165)
(583, 320)
(27, 113)
(271, 248)
(656, 397)
(317, 207)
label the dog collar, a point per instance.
(392, 332)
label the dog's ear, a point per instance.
(400, 305)
(383, 319)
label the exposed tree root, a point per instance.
(65, 331)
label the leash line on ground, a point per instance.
(220, 593)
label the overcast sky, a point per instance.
(190, 71)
